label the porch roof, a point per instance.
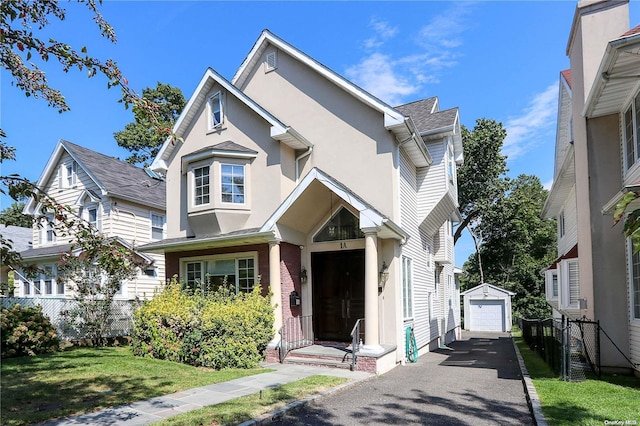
(369, 217)
(242, 237)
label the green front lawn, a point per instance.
(592, 402)
(79, 380)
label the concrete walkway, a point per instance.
(155, 409)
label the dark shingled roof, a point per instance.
(46, 251)
(20, 237)
(120, 179)
(424, 119)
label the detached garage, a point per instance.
(487, 308)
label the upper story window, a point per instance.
(215, 110)
(68, 175)
(157, 226)
(201, 185)
(561, 225)
(47, 232)
(631, 128)
(232, 183)
(451, 165)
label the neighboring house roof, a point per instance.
(52, 251)
(45, 251)
(616, 77)
(571, 254)
(114, 177)
(20, 237)
(567, 76)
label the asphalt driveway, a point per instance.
(477, 382)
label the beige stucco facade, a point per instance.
(338, 200)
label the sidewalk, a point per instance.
(155, 409)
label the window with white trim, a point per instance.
(236, 271)
(47, 232)
(68, 175)
(157, 226)
(635, 285)
(232, 183)
(215, 110)
(561, 225)
(201, 185)
(47, 279)
(631, 128)
(407, 288)
(551, 284)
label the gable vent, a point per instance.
(271, 62)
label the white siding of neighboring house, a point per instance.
(431, 180)
(113, 222)
(422, 280)
(634, 341)
(570, 238)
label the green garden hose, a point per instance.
(411, 347)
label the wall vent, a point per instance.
(271, 62)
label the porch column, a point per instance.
(275, 281)
(371, 334)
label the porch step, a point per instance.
(317, 362)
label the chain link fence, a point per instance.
(120, 322)
(569, 347)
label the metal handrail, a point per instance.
(297, 332)
(355, 341)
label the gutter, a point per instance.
(300, 157)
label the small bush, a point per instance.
(219, 330)
(27, 331)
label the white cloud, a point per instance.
(534, 126)
(383, 32)
(393, 77)
(377, 75)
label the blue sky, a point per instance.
(499, 60)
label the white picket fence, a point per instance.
(120, 321)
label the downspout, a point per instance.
(300, 157)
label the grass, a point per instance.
(249, 407)
(591, 402)
(80, 380)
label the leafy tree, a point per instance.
(13, 215)
(516, 245)
(482, 177)
(95, 277)
(140, 136)
(22, 52)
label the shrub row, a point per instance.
(26, 331)
(219, 330)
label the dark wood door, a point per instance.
(338, 293)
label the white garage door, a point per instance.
(487, 315)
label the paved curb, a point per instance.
(268, 418)
(530, 390)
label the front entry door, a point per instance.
(338, 293)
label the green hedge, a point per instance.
(26, 331)
(219, 330)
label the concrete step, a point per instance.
(317, 362)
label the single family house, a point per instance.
(292, 177)
(120, 200)
(596, 274)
